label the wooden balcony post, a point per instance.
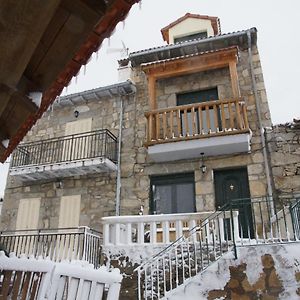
(234, 79)
(152, 92)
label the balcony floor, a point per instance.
(63, 169)
(210, 146)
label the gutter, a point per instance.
(119, 183)
(261, 129)
(208, 41)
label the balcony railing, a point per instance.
(57, 244)
(259, 221)
(100, 143)
(198, 120)
(155, 229)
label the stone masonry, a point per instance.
(284, 151)
(98, 191)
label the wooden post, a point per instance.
(152, 92)
(234, 79)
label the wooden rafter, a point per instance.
(192, 64)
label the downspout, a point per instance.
(261, 129)
(118, 188)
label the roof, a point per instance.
(238, 38)
(215, 22)
(59, 38)
(163, 61)
(113, 90)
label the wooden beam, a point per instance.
(152, 92)
(68, 29)
(234, 80)
(24, 23)
(191, 64)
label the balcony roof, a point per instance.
(114, 90)
(238, 38)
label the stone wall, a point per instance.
(98, 191)
(137, 167)
(264, 272)
(284, 151)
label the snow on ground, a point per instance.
(287, 263)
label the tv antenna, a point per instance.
(124, 51)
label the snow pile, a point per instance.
(137, 254)
(83, 278)
(215, 277)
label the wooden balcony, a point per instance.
(214, 127)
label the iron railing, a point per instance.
(58, 244)
(295, 214)
(100, 143)
(239, 223)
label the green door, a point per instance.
(199, 97)
(232, 186)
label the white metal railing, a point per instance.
(156, 229)
(188, 255)
(57, 244)
(238, 223)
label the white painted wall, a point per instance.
(190, 26)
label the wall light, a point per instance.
(203, 166)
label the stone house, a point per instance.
(180, 137)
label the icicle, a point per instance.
(123, 22)
(84, 70)
(76, 78)
(108, 41)
(97, 54)
(140, 4)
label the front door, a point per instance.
(173, 194)
(232, 187)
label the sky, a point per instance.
(278, 44)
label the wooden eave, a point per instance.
(46, 46)
(191, 63)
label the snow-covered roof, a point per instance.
(238, 38)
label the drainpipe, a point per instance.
(261, 129)
(118, 188)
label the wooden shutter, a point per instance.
(69, 211)
(77, 148)
(28, 213)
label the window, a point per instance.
(172, 193)
(198, 35)
(199, 97)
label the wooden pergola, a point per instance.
(189, 64)
(43, 45)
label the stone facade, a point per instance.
(135, 174)
(284, 151)
(98, 191)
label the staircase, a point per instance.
(221, 232)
